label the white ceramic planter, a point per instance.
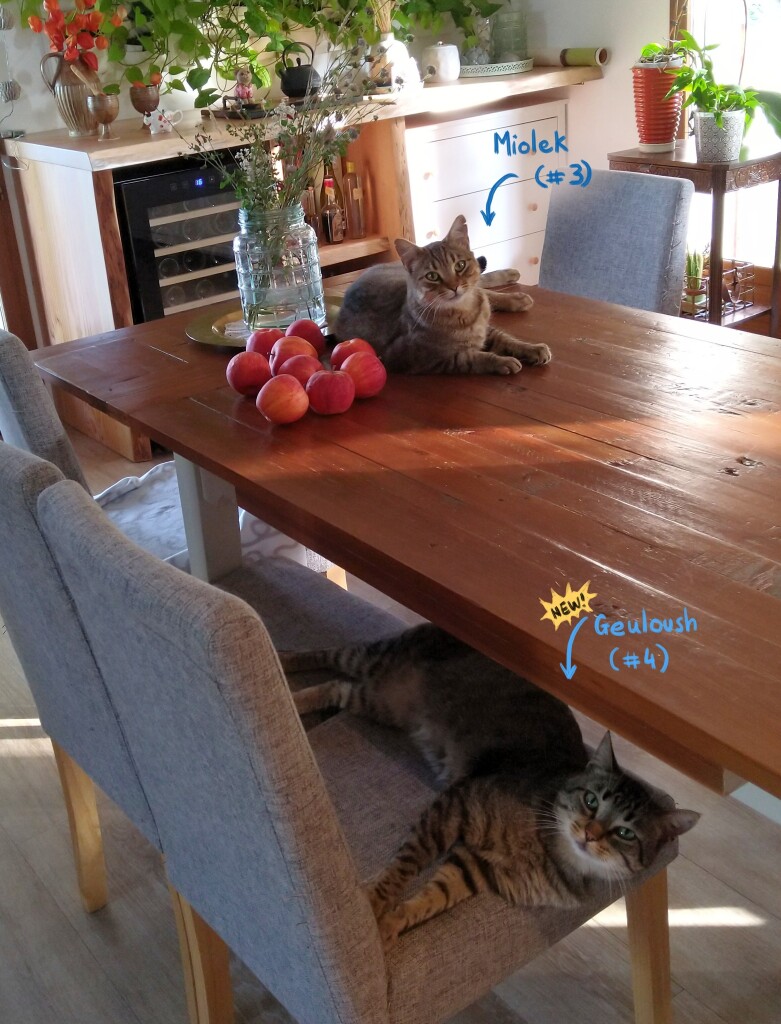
(717, 144)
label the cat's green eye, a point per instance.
(591, 800)
(433, 276)
(460, 266)
(625, 833)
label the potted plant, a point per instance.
(658, 114)
(722, 112)
(695, 288)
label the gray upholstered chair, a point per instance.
(146, 508)
(302, 610)
(269, 832)
(621, 239)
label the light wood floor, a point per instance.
(59, 965)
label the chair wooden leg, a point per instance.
(649, 946)
(78, 789)
(205, 964)
(337, 575)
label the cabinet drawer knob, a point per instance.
(427, 175)
(534, 260)
(533, 207)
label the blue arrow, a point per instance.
(486, 213)
(570, 669)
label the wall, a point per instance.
(601, 114)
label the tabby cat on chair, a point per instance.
(527, 814)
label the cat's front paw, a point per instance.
(538, 355)
(518, 301)
(391, 925)
(380, 903)
(509, 364)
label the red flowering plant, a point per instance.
(79, 32)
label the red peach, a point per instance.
(247, 372)
(330, 391)
(367, 372)
(308, 330)
(301, 367)
(287, 347)
(346, 348)
(263, 340)
(283, 399)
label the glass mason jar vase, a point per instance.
(278, 268)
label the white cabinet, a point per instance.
(491, 168)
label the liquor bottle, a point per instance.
(329, 180)
(311, 216)
(331, 206)
(353, 202)
(332, 214)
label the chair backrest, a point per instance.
(249, 833)
(44, 628)
(28, 418)
(621, 239)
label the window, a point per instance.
(748, 34)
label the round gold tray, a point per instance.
(228, 330)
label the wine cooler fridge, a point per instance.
(177, 227)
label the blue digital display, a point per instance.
(198, 182)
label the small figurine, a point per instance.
(244, 91)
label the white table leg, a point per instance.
(211, 521)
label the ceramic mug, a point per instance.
(162, 120)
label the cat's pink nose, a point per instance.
(594, 831)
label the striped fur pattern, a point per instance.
(467, 714)
(526, 814)
(430, 313)
(531, 840)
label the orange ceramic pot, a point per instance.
(657, 118)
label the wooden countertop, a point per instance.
(135, 146)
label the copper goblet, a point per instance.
(104, 109)
(145, 99)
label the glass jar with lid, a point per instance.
(508, 35)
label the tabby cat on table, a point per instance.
(430, 313)
(527, 813)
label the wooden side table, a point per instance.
(717, 179)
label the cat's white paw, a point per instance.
(509, 364)
(538, 355)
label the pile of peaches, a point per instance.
(282, 371)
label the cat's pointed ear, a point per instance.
(603, 757)
(407, 251)
(458, 233)
(676, 822)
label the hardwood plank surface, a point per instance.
(646, 458)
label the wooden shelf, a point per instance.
(134, 146)
(352, 249)
(737, 318)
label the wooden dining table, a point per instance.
(608, 525)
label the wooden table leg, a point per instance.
(716, 261)
(649, 948)
(211, 521)
(775, 293)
